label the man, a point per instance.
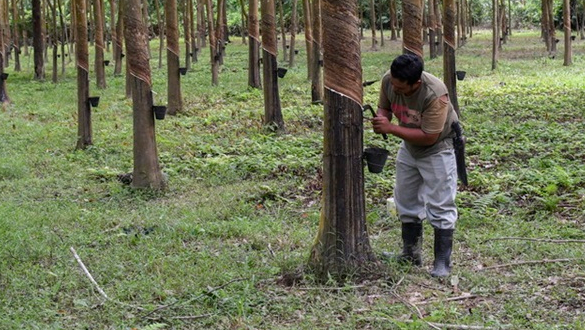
(426, 172)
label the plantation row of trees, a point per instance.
(332, 43)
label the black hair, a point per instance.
(407, 67)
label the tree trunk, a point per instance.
(316, 60)
(439, 27)
(373, 24)
(187, 33)
(38, 40)
(161, 33)
(432, 29)
(293, 34)
(380, 11)
(201, 23)
(449, 43)
(193, 32)
(146, 173)
(282, 31)
(220, 32)
(100, 71)
(145, 19)
(272, 112)
(307, 18)
(342, 246)
(412, 27)
(213, 51)
(253, 46)
(495, 34)
(16, 38)
(84, 134)
(244, 21)
(393, 19)
(64, 38)
(175, 101)
(55, 68)
(568, 58)
(4, 99)
(118, 41)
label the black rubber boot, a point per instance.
(412, 235)
(443, 248)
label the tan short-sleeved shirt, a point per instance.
(428, 108)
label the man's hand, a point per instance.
(381, 125)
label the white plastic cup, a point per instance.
(391, 206)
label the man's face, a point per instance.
(404, 88)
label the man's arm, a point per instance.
(416, 136)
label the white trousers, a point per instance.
(426, 188)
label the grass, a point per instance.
(225, 246)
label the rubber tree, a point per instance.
(316, 60)
(16, 37)
(253, 46)
(449, 44)
(307, 18)
(84, 130)
(432, 29)
(272, 110)
(495, 34)
(38, 40)
(373, 25)
(146, 173)
(4, 99)
(342, 244)
(568, 58)
(293, 34)
(412, 27)
(119, 40)
(213, 49)
(174, 97)
(100, 47)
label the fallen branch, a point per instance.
(191, 317)
(209, 291)
(547, 240)
(531, 262)
(470, 296)
(440, 325)
(91, 279)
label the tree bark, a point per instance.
(55, 67)
(316, 60)
(393, 19)
(187, 33)
(38, 40)
(253, 46)
(272, 111)
(282, 31)
(119, 40)
(342, 246)
(412, 27)
(213, 51)
(432, 29)
(146, 173)
(293, 34)
(449, 44)
(100, 71)
(373, 25)
(495, 34)
(84, 133)
(161, 33)
(4, 99)
(307, 18)
(175, 101)
(568, 58)
(16, 38)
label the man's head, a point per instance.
(406, 71)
